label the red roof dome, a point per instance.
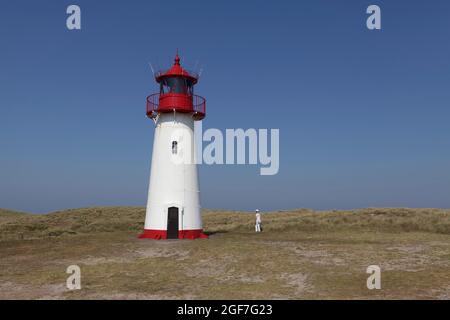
(176, 70)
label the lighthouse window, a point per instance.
(176, 85)
(174, 147)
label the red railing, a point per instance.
(198, 107)
(152, 104)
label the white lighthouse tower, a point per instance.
(173, 207)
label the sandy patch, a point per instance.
(10, 290)
(297, 281)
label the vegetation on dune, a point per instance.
(9, 213)
(72, 222)
(372, 219)
(113, 219)
(9, 216)
(379, 220)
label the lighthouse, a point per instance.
(173, 206)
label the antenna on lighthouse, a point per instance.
(200, 72)
(151, 67)
(195, 66)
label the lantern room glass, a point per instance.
(177, 85)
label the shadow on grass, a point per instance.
(211, 233)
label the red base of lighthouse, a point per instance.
(182, 234)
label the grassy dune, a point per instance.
(122, 219)
(301, 254)
(5, 213)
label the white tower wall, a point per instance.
(174, 177)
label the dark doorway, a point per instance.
(172, 223)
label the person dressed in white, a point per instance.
(258, 221)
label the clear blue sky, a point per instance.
(363, 115)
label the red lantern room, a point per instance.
(176, 93)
